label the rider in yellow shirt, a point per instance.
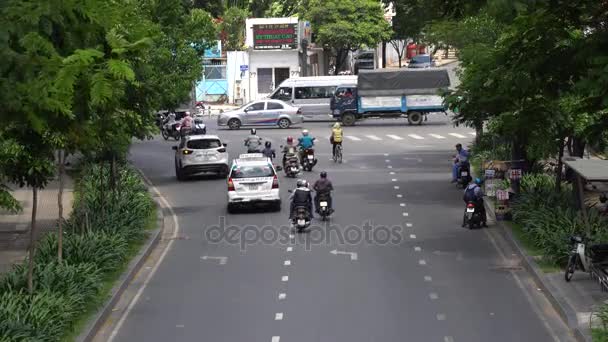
(336, 137)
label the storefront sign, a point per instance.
(490, 173)
(275, 36)
(490, 187)
(502, 195)
(515, 174)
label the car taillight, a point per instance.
(230, 185)
(187, 151)
(470, 205)
(275, 182)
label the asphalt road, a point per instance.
(416, 275)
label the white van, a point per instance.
(311, 94)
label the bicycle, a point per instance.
(338, 155)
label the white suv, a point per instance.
(253, 180)
(198, 154)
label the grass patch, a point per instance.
(532, 250)
(599, 335)
(109, 281)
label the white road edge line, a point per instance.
(135, 299)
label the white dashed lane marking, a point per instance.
(373, 137)
(418, 249)
(396, 187)
(412, 236)
(428, 278)
(399, 195)
(278, 316)
(441, 317)
(289, 249)
(422, 262)
(287, 262)
(284, 278)
(409, 225)
(352, 138)
(437, 136)
(282, 296)
(415, 136)
(448, 339)
(402, 204)
(457, 135)
(433, 296)
(406, 214)
(395, 137)
(276, 339)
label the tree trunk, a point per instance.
(61, 157)
(32, 247)
(558, 169)
(383, 54)
(518, 152)
(478, 132)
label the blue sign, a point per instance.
(244, 67)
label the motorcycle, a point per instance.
(171, 131)
(472, 216)
(301, 219)
(464, 175)
(308, 159)
(199, 126)
(292, 167)
(324, 209)
(592, 260)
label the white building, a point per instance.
(277, 49)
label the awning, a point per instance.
(592, 170)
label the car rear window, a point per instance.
(201, 144)
(421, 59)
(251, 171)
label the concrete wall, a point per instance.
(237, 80)
(271, 59)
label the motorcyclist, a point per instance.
(186, 124)
(336, 137)
(289, 149)
(460, 159)
(301, 196)
(268, 151)
(323, 186)
(305, 142)
(253, 142)
(474, 193)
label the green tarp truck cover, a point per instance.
(383, 82)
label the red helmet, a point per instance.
(289, 140)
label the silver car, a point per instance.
(262, 113)
(253, 180)
(198, 154)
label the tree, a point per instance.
(233, 26)
(347, 26)
(399, 45)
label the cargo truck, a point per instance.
(407, 93)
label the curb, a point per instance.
(125, 279)
(565, 311)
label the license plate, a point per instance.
(294, 169)
(323, 204)
(470, 210)
(464, 173)
(301, 222)
(253, 187)
(310, 157)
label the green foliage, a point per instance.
(233, 27)
(347, 26)
(63, 291)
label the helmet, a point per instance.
(478, 181)
(187, 113)
(253, 131)
(323, 174)
(302, 183)
(267, 144)
(337, 125)
(289, 140)
(305, 132)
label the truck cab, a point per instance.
(344, 100)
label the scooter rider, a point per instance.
(289, 150)
(323, 186)
(474, 193)
(186, 125)
(268, 151)
(461, 158)
(305, 142)
(301, 196)
(253, 142)
(336, 137)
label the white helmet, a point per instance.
(304, 132)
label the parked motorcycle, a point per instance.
(464, 175)
(592, 260)
(324, 210)
(308, 160)
(472, 216)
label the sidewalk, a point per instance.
(575, 301)
(14, 229)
